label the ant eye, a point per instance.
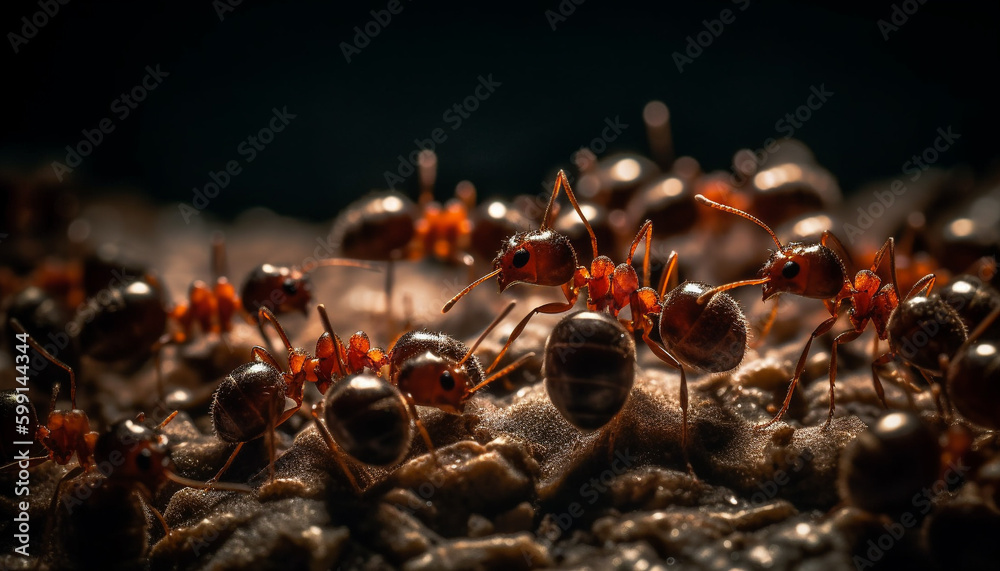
(790, 270)
(521, 258)
(447, 381)
(290, 287)
(144, 460)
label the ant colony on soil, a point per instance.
(639, 410)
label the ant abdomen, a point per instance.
(124, 325)
(137, 453)
(710, 335)
(280, 288)
(923, 328)
(375, 226)
(973, 299)
(248, 402)
(368, 418)
(974, 382)
(589, 368)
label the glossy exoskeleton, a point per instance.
(589, 368)
(973, 375)
(817, 271)
(369, 419)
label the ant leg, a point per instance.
(829, 237)
(156, 513)
(844, 337)
(550, 308)
(56, 496)
(420, 427)
(647, 231)
(669, 278)
(261, 354)
(823, 328)
(924, 283)
(562, 181)
(48, 357)
(229, 462)
(878, 362)
(337, 451)
(673, 362)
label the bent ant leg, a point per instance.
(669, 359)
(845, 337)
(338, 453)
(799, 368)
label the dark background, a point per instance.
(605, 60)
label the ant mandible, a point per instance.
(816, 271)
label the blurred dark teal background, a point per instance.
(605, 60)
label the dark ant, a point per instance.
(388, 225)
(973, 375)
(545, 257)
(130, 456)
(367, 417)
(429, 369)
(816, 271)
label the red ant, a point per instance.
(130, 455)
(429, 369)
(816, 271)
(545, 257)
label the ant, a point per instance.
(429, 369)
(130, 456)
(388, 225)
(545, 257)
(816, 271)
(973, 375)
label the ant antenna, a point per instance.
(503, 372)
(338, 346)
(265, 313)
(486, 332)
(467, 289)
(49, 357)
(647, 231)
(701, 198)
(562, 181)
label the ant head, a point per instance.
(65, 428)
(539, 257)
(283, 288)
(134, 453)
(433, 380)
(808, 270)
